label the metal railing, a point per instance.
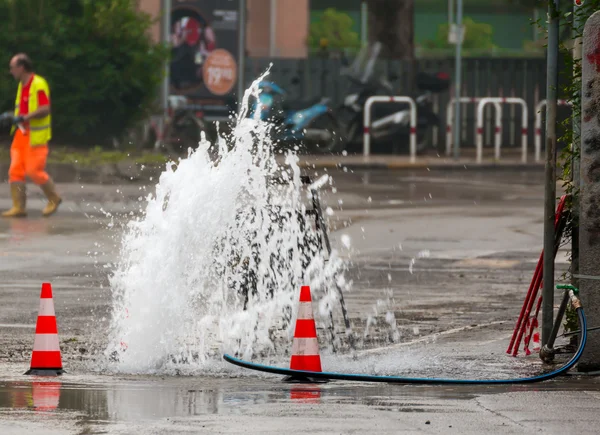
(450, 117)
(479, 126)
(367, 122)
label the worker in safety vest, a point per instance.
(32, 131)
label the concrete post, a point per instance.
(589, 219)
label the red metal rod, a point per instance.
(537, 284)
(530, 291)
(537, 279)
(559, 224)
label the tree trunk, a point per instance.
(391, 22)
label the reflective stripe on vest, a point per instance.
(40, 127)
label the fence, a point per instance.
(482, 77)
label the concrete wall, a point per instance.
(258, 28)
(152, 7)
(292, 28)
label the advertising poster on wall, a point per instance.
(205, 48)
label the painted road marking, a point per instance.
(15, 325)
(427, 338)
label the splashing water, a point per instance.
(217, 259)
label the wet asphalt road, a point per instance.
(451, 252)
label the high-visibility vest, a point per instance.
(40, 130)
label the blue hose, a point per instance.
(400, 380)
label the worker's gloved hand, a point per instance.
(6, 118)
(18, 120)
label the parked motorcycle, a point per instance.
(309, 124)
(390, 127)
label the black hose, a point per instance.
(401, 380)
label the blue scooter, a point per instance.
(309, 124)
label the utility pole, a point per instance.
(458, 76)
(166, 39)
(273, 29)
(363, 23)
(550, 180)
(241, 52)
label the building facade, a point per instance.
(274, 28)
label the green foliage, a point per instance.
(333, 32)
(103, 70)
(478, 36)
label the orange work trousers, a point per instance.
(26, 160)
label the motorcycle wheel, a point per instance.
(329, 123)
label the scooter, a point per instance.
(309, 124)
(390, 125)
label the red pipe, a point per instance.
(527, 297)
(535, 285)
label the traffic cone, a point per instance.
(305, 347)
(46, 359)
(534, 338)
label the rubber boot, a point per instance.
(53, 199)
(19, 198)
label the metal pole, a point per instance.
(578, 22)
(273, 29)
(241, 52)
(547, 351)
(550, 181)
(458, 77)
(536, 16)
(363, 23)
(166, 39)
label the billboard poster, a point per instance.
(204, 49)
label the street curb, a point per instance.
(131, 172)
(422, 166)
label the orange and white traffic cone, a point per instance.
(46, 359)
(533, 339)
(305, 347)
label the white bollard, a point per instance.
(450, 117)
(479, 125)
(367, 122)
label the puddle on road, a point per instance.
(143, 402)
(129, 401)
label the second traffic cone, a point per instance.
(305, 348)
(46, 359)
(534, 338)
